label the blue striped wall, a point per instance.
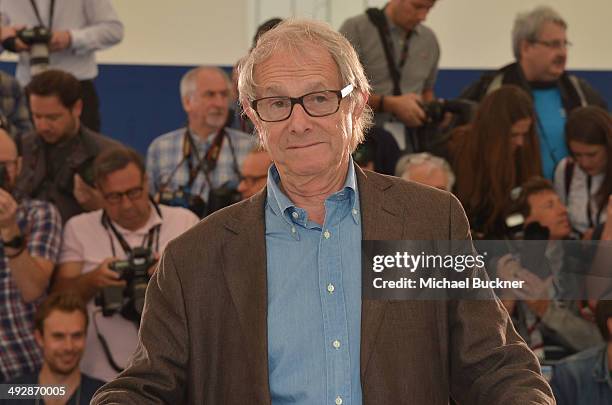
(140, 102)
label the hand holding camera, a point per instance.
(407, 108)
(59, 41)
(104, 276)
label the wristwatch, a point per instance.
(17, 242)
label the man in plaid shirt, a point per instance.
(13, 106)
(29, 247)
(176, 161)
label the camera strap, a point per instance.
(39, 18)
(148, 240)
(378, 18)
(209, 163)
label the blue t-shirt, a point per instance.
(551, 124)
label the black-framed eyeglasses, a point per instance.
(250, 180)
(132, 194)
(316, 104)
(554, 44)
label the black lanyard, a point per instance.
(209, 163)
(38, 17)
(589, 212)
(379, 19)
(152, 235)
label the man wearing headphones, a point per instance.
(129, 222)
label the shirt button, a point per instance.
(293, 229)
(336, 344)
(330, 288)
(355, 212)
(326, 234)
(338, 400)
(295, 215)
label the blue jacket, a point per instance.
(583, 378)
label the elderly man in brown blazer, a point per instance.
(261, 302)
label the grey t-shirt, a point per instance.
(420, 68)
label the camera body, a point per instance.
(435, 110)
(128, 300)
(38, 39)
(218, 198)
(182, 198)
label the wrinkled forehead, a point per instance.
(307, 63)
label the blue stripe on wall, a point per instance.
(140, 102)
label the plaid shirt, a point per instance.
(165, 155)
(13, 106)
(41, 224)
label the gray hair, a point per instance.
(527, 26)
(407, 162)
(291, 35)
(188, 81)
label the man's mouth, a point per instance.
(307, 145)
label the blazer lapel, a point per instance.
(381, 219)
(244, 267)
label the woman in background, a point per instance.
(492, 156)
(584, 179)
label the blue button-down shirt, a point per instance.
(583, 378)
(314, 298)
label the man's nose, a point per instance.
(41, 124)
(299, 120)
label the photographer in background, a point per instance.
(94, 241)
(540, 46)
(254, 174)
(63, 35)
(400, 56)
(58, 156)
(31, 238)
(540, 313)
(198, 167)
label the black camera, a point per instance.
(435, 110)
(37, 38)
(128, 300)
(222, 197)
(182, 198)
(217, 198)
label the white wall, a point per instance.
(472, 33)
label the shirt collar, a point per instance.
(154, 220)
(281, 205)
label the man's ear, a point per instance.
(186, 101)
(38, 337)
(360, 104)
(18, 166)
(259, 130)
(77, 108)
(524, 47)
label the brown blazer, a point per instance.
(203, 337)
